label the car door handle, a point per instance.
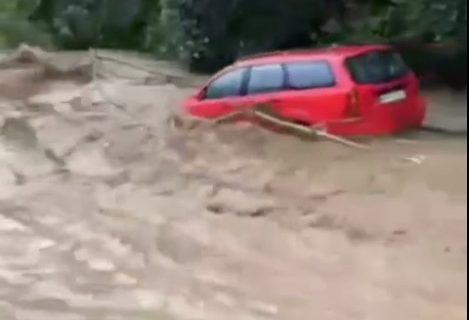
(244, 105)
(238, 105)
(270, 101)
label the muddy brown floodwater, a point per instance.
(107, 212)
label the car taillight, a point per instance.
(353, 105)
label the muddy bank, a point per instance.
(109, 212)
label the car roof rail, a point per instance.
(285, 52)
(261, 55)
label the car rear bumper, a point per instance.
(386, 120)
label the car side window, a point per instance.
(264, 79)
(310, 75)
(227, 85)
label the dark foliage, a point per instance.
(208, 34)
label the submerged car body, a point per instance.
(349, 91)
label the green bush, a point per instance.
(398, 20)
(15, 27)
(79, 24)
(207, 34)
(212, 33)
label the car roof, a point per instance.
(329, 53)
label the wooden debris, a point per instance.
(417, 159)
(262, 112)
(319, 133)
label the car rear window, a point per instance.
(267, 78)
(377, 67)
(309, 75)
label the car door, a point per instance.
(220, 96)
(314, 94)
(265, 85)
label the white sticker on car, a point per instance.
(393, 97)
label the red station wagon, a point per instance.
(350, 90)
